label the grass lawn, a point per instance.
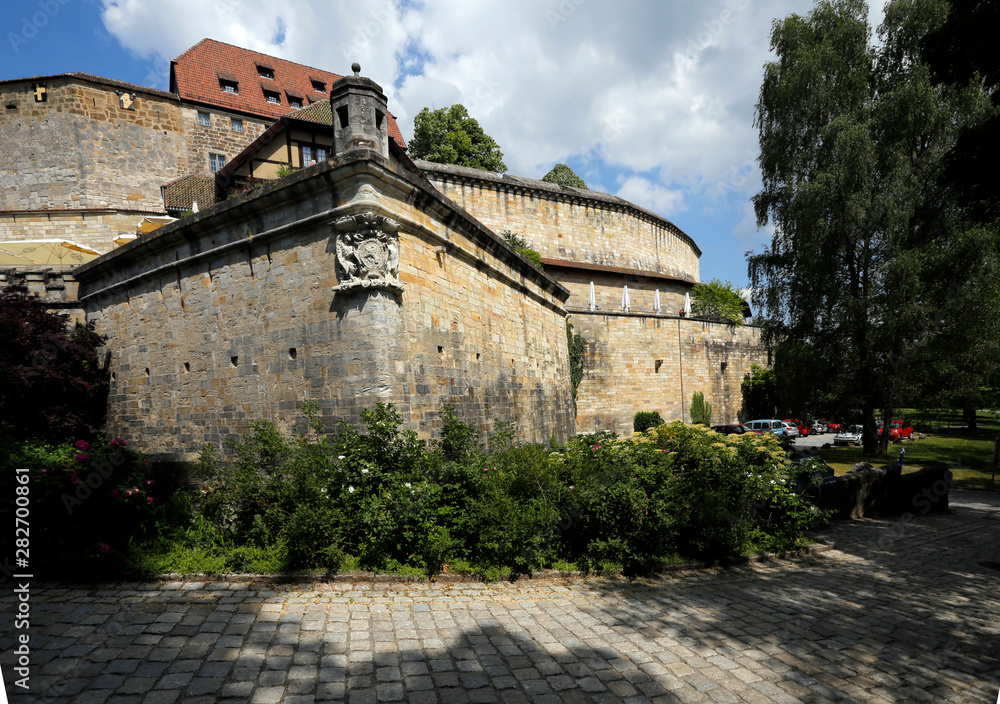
(968, 453)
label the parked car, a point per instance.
(898, 430)
(771, 425)
(791, 429)
(849, 434)
(732, 429)
(804, 429)
(819, 427)
(832, 425)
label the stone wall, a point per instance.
(56, 288)
(94, 228)
(80, 149)
(640, 362)
(571, 224)
(228, 315)
(608, 291)
(216, 138)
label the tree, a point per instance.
(868, 237)
(52, 386)
(718, 299)
(562, 175)
(450, 136)
(523, 247)
(701, 410)
(760, 392)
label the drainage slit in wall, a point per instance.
(440, 349)
(292, 353)
(187, 367)
(235, 361)
(479, 356)
(657, 364)
(147, 371)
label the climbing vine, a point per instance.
(576, 346)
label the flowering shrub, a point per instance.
(90, 504)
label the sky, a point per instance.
(649, 100)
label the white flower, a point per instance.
(340, 457)
(407, 485)
(323, 491)
(364, 471)
(350, 489)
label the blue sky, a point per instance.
(653, 102)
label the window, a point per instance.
(236, 124)
(265, 72)
(295, 103)
(319, 86)
(204, 119)
(229, 86)
(272, 97)
(312, 154)
(216, 162)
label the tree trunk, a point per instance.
(969, 416)
(869, 437)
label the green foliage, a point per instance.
(718, 299)
(701, 410)
(760, 392)
(562, 175)
(451, 136)
(523, 248)
(458, 439)
(577, 346)
(284, 170)
(644, 420)
(52, 385)
(875, 263)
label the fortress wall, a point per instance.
(80, 149)
(56, 288)
(639, 363)
(608, 291)
(217, 138)
(94, 228)
(571, 225)
(247, 327)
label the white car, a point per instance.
(791, 430)
(849, 434)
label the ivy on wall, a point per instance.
(576, 346)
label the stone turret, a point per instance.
(360, 117)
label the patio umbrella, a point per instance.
(687, 305)
(592, 298)
(123, 239)
(152, 222)
(11, 259)
(656, 301)
(625, 301)
(51, 252)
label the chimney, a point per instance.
(360, 117)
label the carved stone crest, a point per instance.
(367, 252)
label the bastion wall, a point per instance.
(229, 315)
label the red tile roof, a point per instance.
(196, 188)
(195, 74)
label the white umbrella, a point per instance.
(123, 239)
(152, 222)
(656, 301)
(592, 298)
(687, 305)
(625, 301)
(51, 252)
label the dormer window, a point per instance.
(272, 97)
(319, 86)
(294, 101)
(229, 86)
(265, 72)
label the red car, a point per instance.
(804, 430)
(898, 430)
(832, 426)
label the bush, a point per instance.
(52, 386)
(701, 410)
(644, 420)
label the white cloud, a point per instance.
(660, 200)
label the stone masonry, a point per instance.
(230, 315)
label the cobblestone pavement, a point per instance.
(902, 611)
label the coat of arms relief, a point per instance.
(367, 252)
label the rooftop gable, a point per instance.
(197, 76)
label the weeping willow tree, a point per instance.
(872, 259)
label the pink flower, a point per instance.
(149, 499)
(81, 457)
(149, 483)
(105, 547)
(73, 478)
(486, 469)
(571, 487)
(135, 490)
(145, 461)
(81, 444)
(45, 471)
(595, 448)
(118, 442)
